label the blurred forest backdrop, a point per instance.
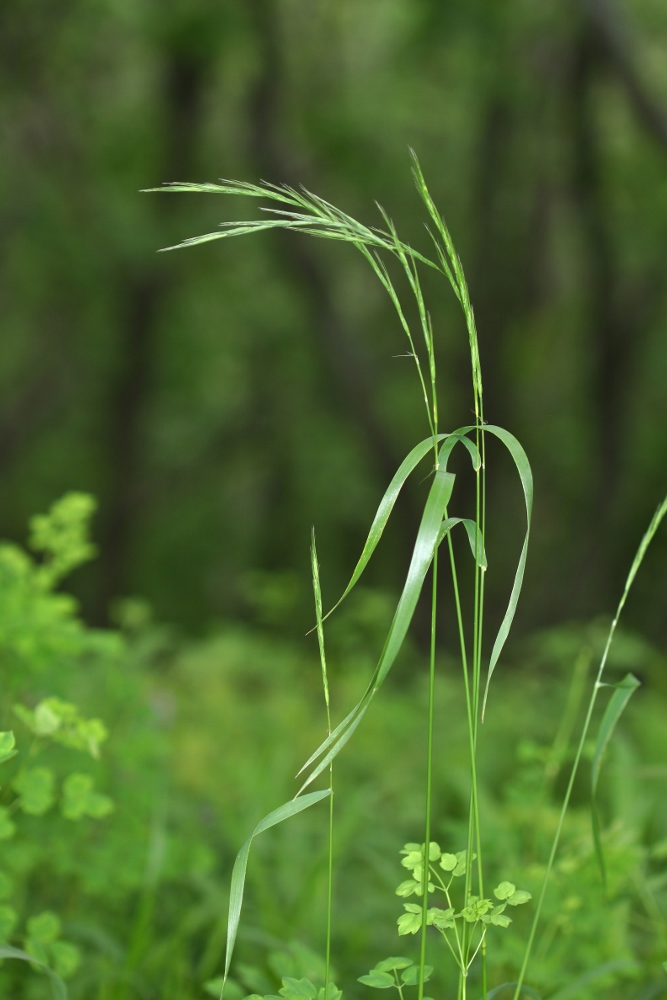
(218, 401)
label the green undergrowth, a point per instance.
(125, 895)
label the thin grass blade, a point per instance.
(317, 592)
(279, 815)
(422, 556)
(474, 537)
(620, 698)
(58, 987)
(636, 563)
(407, 466)
(526, 476)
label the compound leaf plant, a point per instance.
(468, 915)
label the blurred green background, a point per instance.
(219, 401)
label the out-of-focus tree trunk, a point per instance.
(143, 296)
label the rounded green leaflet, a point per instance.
(519, 897)
(7, 746)
(7, 826)
(45, 927)
(411, 976)
(407, 888)
(36, 788)
(378, 980)
(395, 962)
(8, 921)
(297, 989)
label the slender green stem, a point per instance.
(481, 577)
(429, 774)
(641, 552)
(327, 971)
(325, 685)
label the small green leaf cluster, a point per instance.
(300, 989)
(396, 972)
(42, 939)
(61, 536)
(40, 629)
(438, 873)
(61, 722)
(43, 942)
(35, 793)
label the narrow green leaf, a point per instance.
(474, 537)
(438, 498)
(279, 815)
(58, 987)
(621, 696)
(407, 466)
(526, 476)
(317, 592)
(422, 556)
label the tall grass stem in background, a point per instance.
(625, 689)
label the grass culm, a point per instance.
(447, 892)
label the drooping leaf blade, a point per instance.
(58, 987)
(474, 537)
(279, 815)
(526, 476)
(407, 466)
(422, 556)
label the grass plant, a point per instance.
(471, 919)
